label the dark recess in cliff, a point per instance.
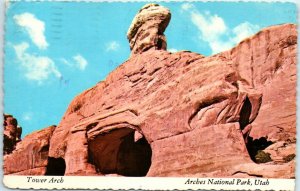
(245, 114)
(257, 145)
(117, 152)
(56, 167)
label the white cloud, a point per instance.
(37, 68)
(81, 62)
(78, 62)
(219, 46)
(112, 46)
(212, 27)
(173, 50)
(34, 27)
(244, 30)
(215, 32)
(186, 6)
(27, 116)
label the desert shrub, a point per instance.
(288, 158)
(262, 157)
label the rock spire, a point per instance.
(147, 29)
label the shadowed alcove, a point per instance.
(245, 113)
(56, 167)
(119, 152)
(256, 146)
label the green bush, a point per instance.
(262, 157)
(289, 158)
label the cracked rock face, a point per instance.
(183, 114)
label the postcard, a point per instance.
(153, 96)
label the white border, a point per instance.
(145, 183)
(80, 182)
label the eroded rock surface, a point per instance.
(31, 155)
(147, 28)
(11, 134)
(183, 114)
(267, 62)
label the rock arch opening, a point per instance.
(245, 113)
(255, 147)
(56, 167)
(121, 151)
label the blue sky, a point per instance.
(56, 50)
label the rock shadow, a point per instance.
(255, 147)
(56, 167)
(118, 152)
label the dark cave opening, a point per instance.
(56, 167)
(255, 147)
(117, 152)
(245, 113)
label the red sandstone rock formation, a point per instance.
(31, 155)
(183, 114)
(147, 29)
(12, 133)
